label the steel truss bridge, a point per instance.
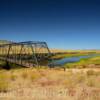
(26, 54)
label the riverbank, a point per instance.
(73, 54)
(92, 62)
(67, 55)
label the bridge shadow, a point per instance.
(8, 66)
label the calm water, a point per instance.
(71, 59)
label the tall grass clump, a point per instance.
(90, 82)
(13, 77)
(25, 74)
(4, 82)
(33, 76)
(92, 73)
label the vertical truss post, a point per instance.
(51, 65)
(21, 52)
(33, 55)
(7, 66)
(8, 51)
(47, 48)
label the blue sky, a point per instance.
(65, 24)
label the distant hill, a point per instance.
(5, 42)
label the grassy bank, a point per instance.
(60, 56)
(85, 63)
(73, 54)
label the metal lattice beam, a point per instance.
(29, 53)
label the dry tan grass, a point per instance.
(51, 84)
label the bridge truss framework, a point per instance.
(28, 54)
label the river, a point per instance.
(71, 59)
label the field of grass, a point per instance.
(80, 81)
(50, 84)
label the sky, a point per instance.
(63, 24)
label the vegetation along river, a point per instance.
(66, 60)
